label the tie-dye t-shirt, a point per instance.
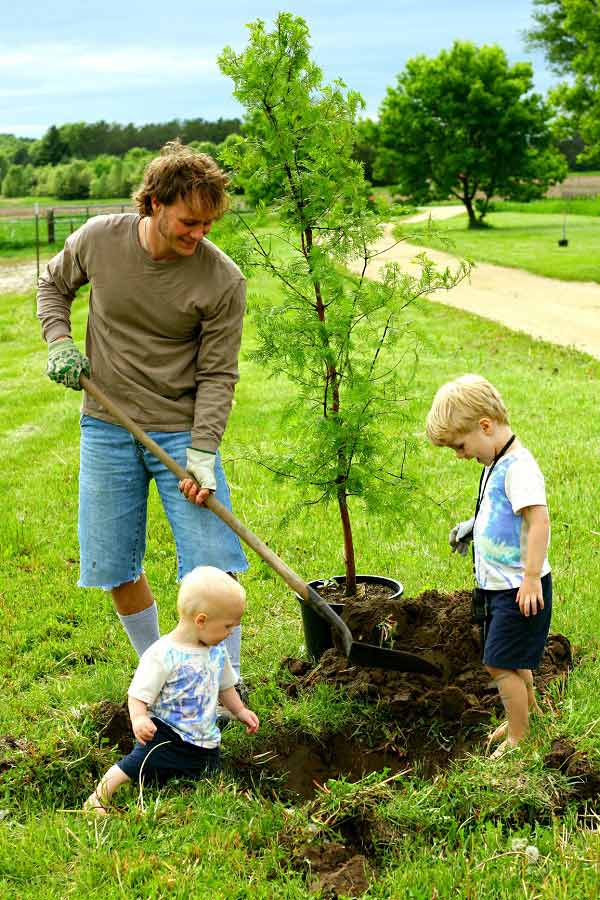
(500, 533)
(181, 687)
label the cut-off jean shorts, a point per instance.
(114, 478)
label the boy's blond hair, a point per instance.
(209, 590)
(460, 404)
(181, 172)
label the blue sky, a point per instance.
(130, 61)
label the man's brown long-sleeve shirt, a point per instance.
(162, 337)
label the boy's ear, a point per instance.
(200, 619)
(486, 424)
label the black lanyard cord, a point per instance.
(482, 483)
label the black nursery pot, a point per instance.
(317, 632)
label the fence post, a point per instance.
(37, 250)
(50, 222)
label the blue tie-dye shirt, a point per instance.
(181, 687)
(500, 532)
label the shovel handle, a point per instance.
(211, 502)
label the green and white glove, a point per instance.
(66, 363)
(201, 464)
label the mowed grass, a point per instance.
(63, 649)
(520, 240)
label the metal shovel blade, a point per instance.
(369, 655)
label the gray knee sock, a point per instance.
(142, 628)
(233, 644)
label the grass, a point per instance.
(63, 649)
(575, 206)
(26, 202)
(521, 240)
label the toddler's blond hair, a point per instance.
(459, 405)
(209, 590)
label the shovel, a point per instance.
(358, 653)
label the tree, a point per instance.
(569, 33)
(336, 337)
(51, 149)
(466, 124)
(12, 183)
(365, 146)
(72, 181)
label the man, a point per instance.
(163, 336)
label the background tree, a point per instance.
(569, 33)
(465, 124)
(13, 184)
(336, 337)
(365, 146)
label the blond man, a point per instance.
(163, 336)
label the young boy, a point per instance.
(174, 693)
(510, 532)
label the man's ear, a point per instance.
(155, 204)
(200, 619)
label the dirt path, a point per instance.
(18, 277)
(563, 312)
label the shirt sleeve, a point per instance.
(217, 367)
(63, 276)
(228, 677)
(150, 675)
(524, 484)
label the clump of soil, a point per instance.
(437, 627)
(113, 725)
(334, 870)
(566, 758)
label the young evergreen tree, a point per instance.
(337, 337)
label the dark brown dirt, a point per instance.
(334, 870)
(438, 627)
(575, 764)
(113, 725)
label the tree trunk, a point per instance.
(349, 561)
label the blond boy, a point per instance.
(174, 693)
(510, 532)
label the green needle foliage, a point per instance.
(342, 339)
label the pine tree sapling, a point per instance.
(338, 338)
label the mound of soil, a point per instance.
(575, 764)
(437, 627)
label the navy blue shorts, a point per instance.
(515, 641)
(174, 757)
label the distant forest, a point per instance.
(97, 159)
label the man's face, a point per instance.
(181, 225)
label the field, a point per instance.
(444, 834)
(521, 240)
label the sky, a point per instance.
(128, 61)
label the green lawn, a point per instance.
(521, 240)
(64, 650)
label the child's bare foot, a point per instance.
(95, 805)
(505, 747)
(500, 732)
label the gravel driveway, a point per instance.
(562, 312)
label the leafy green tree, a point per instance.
(365, 146)
(13, 184)
(51, 149)
(466, 124)
(338, 338)
(569, 33)
(72, 181)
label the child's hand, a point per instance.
(249, 719)
(529, 596)
(143, 728)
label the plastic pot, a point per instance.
(317, 632)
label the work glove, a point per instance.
(461, 536)
(201, 464)
(66, 363)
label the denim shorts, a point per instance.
(515, 641)
(114, 477)
(167, 755)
